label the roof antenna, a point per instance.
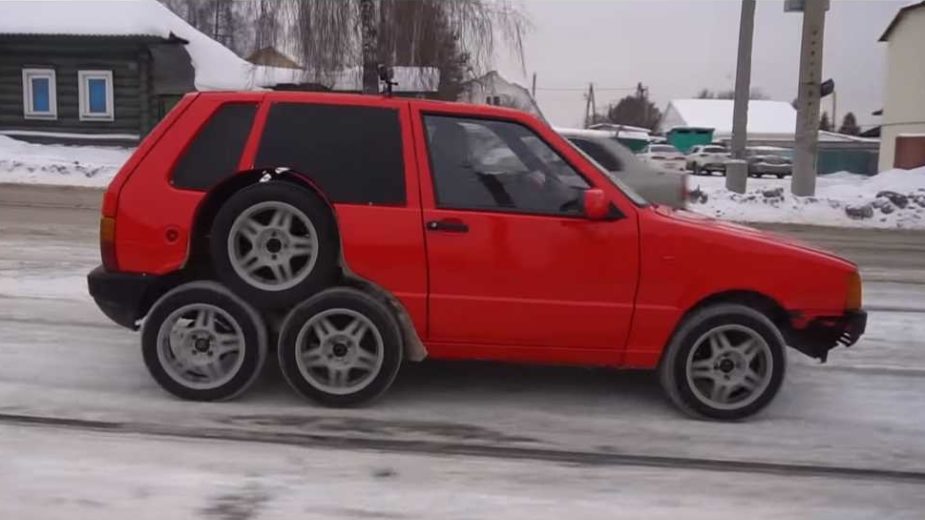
(385, 76)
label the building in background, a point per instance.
(272, 57)
(772, 123)
(902, 133)
(493, 89)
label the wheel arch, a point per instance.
(198, 250)
(758, 301)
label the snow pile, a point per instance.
(892, 199)
(28, 163)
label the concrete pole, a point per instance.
(737, 169)
(370, 46)
(803, 181)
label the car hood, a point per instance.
(748, 233)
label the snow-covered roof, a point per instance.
(217, 67)
(764, 117)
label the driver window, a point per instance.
(497, 165)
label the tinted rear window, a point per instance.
(216, 150)
(353, 153)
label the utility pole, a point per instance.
(533, 87)
(803, 181)
(370, 47)
(737, 169)
(590, 106)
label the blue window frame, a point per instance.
(39, 96)
(96, 95)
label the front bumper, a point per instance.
(822, 334)
(123, 297)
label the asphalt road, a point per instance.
(84, 431)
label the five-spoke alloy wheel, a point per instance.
(726, 361)
(341, 347)
(274, 243)
(202, 342)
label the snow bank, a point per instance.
(27, 163)
(892, 199)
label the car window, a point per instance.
(606, 159)
(714, 149)
(216, 150)
(488, 164)
(353, 153)
(695, 149)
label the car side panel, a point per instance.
(154, 219)
(684, 262)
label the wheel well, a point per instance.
(760, 302)
(199, 261)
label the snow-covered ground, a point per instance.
(28, 163)
(891, 199)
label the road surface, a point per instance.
(85, 432)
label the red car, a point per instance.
(358, 231)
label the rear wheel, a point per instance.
(203, 343)
(275, 244)
(726, 362)
(340, 348)
(697, 170)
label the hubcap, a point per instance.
(273, 246)
(200, 346)
(339, 351)
(729, 367)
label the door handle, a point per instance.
(450, 225)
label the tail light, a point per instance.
(853, 300)
(108, 243)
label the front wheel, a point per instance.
(340, 348)
(725, 362)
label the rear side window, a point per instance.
(597, 152)
(216, 150)
(353, 153)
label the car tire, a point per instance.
(275, 244)
(725, 362)
(203, 343)
(340, 348)
(780, 175)
(696, 169)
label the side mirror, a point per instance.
(595, 204)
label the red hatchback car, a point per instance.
(358, 231)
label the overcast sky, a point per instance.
(677, 47)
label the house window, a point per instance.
(39, 96)
(95, 91)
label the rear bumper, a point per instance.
(822, 334)
(123, 297)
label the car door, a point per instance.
(514, 267)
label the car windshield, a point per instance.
(663, 148)
(636, 198)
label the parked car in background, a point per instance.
(707, 158)
(653, 184)
(663, 156)
(769, 160)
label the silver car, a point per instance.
(653, 184)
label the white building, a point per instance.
(492, 89)
(767, 120)
(904, 95)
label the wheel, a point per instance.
(726, 362)
(780, 175)
(697, 170)
(340, 348)
(203, 343)
(275, 244)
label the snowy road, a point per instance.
(84, 429)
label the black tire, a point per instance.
(697, 170)
(781, 175)
(313, 277)
(251, 329)
(337, 301)
(673, 370)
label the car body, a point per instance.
(439, 243)
(659, 186)
(707, 158)
(769, 160)
(664, 156)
